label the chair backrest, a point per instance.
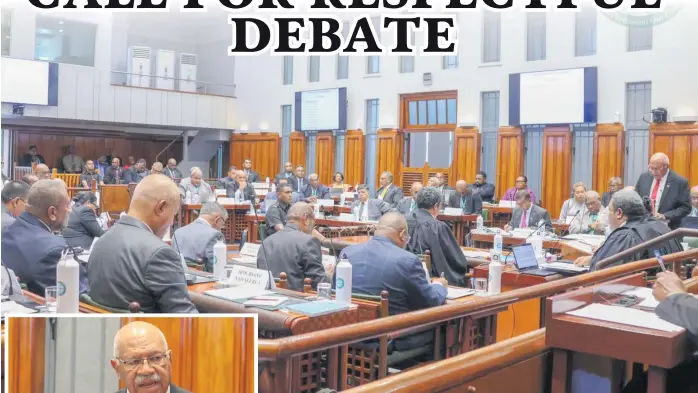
(72, 180)
(134, 308)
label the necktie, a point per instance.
(361, 210)
(413, 205)
(385, 191)
(314, 192)
(463, 200)
(695, 212)
(72, 164)
(653, 196)
(524, 220)
(300, 184)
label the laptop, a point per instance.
(689, 222)
(526, 262)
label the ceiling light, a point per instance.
(60, 31)
(60, 22)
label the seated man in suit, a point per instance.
(134, 343)
(667, 191)
(286, 174)
(597, 219)
(136, 173)
(83, 227)
(428, 233)
(521, 185)
(199, 191)
(443, 188)
(294, 251)
(389, 192)
(615, 184)
(382, 264)
(30, 247)
(172, 171)
(222, 183)
(277, 213)
(630, 226)
(408, 204)
(240, 189)
(526, 214)
(114, 174)
(298, 182)
(463, 198)
(195, 241)
(250, 175)
(314, 190)
(131, 263)
(14, 201)
(271, 197)
(366, 209)
(482, 187)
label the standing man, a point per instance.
(250, 175)
(615, 184)
(72, 163)
(171, 171)
(389, 193)
(667, 191)
(482, 187)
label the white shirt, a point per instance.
(662, 183)
(168, 390)
(364, 214)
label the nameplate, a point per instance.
(260, 185)
(226, 201)
(453, 211)
(250, 249)
(346, 217)
(243, 275)
(348, 195)
(509, 204)
(220, 193)
(326, 202)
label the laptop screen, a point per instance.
(525, 256)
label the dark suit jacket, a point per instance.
(606, 198)
(393, 196)
(27, 160)
(248, 193)
(472, 205)
(485, 190)
(282, 175)
(131, 264)
(252, 177)
(676, 198)
(682, 310)
(173, 389)
(110, 175)
(133, 176)
(537, 214)
(293, 182)
(322, 191)
(32, 252)
(82, 228)
(295, 253)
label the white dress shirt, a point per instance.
(660, 191)
(364, 214)
(168, 390)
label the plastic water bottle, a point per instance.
(341, 199)
(480, 223)
(494, 279)
(343, 278)
(267, 183)
(498, 243)
(273, 188)
(187, 198)
(219, 261)
(68, 283)
(542, 230)
(317, 210)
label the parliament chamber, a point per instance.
(511, 218)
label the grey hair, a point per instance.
(522, 194)
(388, 175)
(362, 187)
(592, 194)
(629, 202)
(214, 208)
(313, 175)
(14, 190)
(428, 198)
(116, 344)
(194, 170)
(46, 193)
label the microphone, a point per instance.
(266, 263)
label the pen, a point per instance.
(660, 260)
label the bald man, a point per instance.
(30, 247)
(240, 188)
(408, 204)
(42, 172)
(667, 191)
(463, 198)
(131, 263)
(133, 344)
(294, 251)
(30, 178)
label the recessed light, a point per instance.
(60, 31)
(60, 22)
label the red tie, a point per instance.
(653, 196)
(524, 220)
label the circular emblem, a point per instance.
(340, 283)
(215, 260)
(60, 288)
(645, 19)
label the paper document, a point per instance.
(239, 292)
(476, 254)
(646, 294)
(625, 316)
(455, 293)
(11, 307)
(453, 211)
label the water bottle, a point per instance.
(267, 183)
(219, 261)
(498, 244)
(273, 188)
(251, 208)
(541, 231)
(68, 283)
(343, 278)
(341, 199)
(317, 210)
(494, 279)
(480, 223)
(187, 198)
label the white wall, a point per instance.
(670, 66)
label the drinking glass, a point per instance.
(324, 291)
(51, 297)
(480, 284)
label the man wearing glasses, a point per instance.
(615, 184)
(195, 241)
(666, 190)
(14, 201)
(142, 360)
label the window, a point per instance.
(429, 111)
(288, 70)
(314, 69)
(343, 61)
(65, 41)
(491, 37)
(372, 110)
(639, 38)
(373, 62)
(490, 111)
(6, 31)
(450, 62)
(535, 36)
(585, 32)
(406, 64)
(286, 119)
(638, 105)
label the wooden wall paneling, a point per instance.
(509, 158)
(354, 162)
(264, 149)
(557, 168)
(680, 142)
(324, 156)
(389, 148)
(466, 155)
(26, 346)
(609, 155)
(297, 149)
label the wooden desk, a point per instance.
(461, 224)
(83, 308)
(568, 334)
(233, 226)
(486, 240)
(521, 317)
(350, 226)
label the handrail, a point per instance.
(681, 232)
(170, 144)
(178, 80)
(304, 343)
(449, 373)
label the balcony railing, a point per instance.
(121, 78)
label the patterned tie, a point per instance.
(385, 191)
(300, 184)
(653, 196)
(524, 220)
(361, 210)
(413, 205)
(695, 212)
(463, 201)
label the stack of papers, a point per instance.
(646, 294)
(11, 307)
(625, 316)
(476, 254)
(239, 292)
(267, 301)
(455, 293)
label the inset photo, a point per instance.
(131, 354)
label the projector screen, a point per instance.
(321, 110)
(553, 97)
(29, 82)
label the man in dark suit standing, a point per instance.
(134, 343)
(131, 263)
(29, 247)
(667, 191)
(463, 198)
(250, 175)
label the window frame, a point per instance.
(406, 99)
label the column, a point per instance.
(285, 147)
(371, 140)
(339, 150)
(310, 152)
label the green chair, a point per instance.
(262, 231)
(134, 308)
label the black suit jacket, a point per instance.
(485, 190)
(472, 205)
(111, 174)
(682, 310)
(322, 192)
(173, 389)
(252, 177)
(676, 198)
(82, 228)
(248, 193)
(27, 160)
(293, 182)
